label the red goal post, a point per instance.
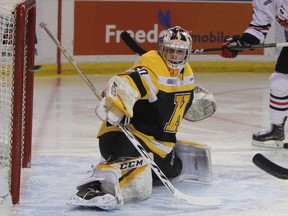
(17, 49)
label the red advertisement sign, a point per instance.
(98, 24)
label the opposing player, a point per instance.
(151, 98)
(265, 12)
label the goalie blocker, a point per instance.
(119, 100)
(130, 179)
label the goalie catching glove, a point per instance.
(203, 106)
(118, 101)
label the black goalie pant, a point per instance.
(114, 145)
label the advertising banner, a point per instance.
(98, 24)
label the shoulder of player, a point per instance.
(152, 62)
(151, 58)
(266, 6)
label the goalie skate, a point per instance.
(106, 202)
(91, 196)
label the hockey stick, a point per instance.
(268, 166)
(201, 201)
(125, 36)
(72, 62)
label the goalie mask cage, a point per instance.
(17, 47)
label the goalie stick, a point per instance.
(200, 201)
(268, 166)
(125, 36)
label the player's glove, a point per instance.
(226, 51)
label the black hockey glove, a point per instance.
(226, 52)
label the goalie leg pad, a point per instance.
(114, 184)
(136, 180)
(196, 160)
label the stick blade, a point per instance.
(268, 166)
(35, 68)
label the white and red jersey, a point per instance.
(264, 13)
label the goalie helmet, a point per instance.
(282, 13)
(175, 48)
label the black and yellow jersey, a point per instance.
(164, 99)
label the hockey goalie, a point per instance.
(151, 99)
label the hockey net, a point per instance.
(17, 42)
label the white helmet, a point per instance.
(175, 48)
(282, 13)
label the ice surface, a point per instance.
(65, 146)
